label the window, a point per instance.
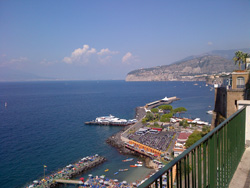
(240, 82)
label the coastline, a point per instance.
(117, 142)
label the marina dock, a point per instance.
(72, 170)
(163, 101)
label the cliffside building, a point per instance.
(235, 88)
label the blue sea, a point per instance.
(43, 123)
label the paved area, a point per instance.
(241, 178)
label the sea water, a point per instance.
(43, 123)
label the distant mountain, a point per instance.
(190, 68)
(7, 74)
(227, 54)
(183, 70)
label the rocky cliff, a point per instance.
(187, 70)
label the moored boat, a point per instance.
(123, 170)
(138, 164)
(133, 166)
(129, 159)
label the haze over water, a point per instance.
(43, 123)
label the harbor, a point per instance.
(150, 143)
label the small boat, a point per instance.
(123, 170)
(106, 170)
(133, 166)
(210, 112)
(116, 173)
(5, 104)
(139, 162)
(129, 159)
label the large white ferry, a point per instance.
(111, 120)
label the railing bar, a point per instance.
(185, 172)
(192, 159)
(204, 165)
(172, 177)
(195, 168)
(177, 175)
(156, 183)
(219, 159)
(168, 179)
(188, 166)
(223, 157)
(161, 182)
(209, 162)
(199, 166)
(180, 174)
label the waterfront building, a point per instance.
(179, 146)
(235, 87)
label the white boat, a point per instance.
(5, 104)
(210, 112)
(138, 164)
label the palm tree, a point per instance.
(244, 59)
(238, 58)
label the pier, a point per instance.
(161, 102)
(63, 176)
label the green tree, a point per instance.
(179, 110)
(205, 130)
(184, 123)
(238, 58)
(244, 59)
(149, 116)
(166, 107)
(194, 137)
(154, 110)
(156, 124)
(144, 121)
(166, 117)
(157, 116)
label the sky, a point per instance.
(106, 39)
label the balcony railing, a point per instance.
(210, 162)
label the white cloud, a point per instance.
(106, 51)
(14, 62)
(209, 43)
(19, 60)
(127, 57)
(83, 55)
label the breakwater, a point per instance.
(70, 171)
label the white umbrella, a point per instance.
(134, 184)
(102, 177)
(31, 186)
(124, 182)
(115, 180)
(106, 183)
(101, 181)
(35, 181)
(90, 175)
